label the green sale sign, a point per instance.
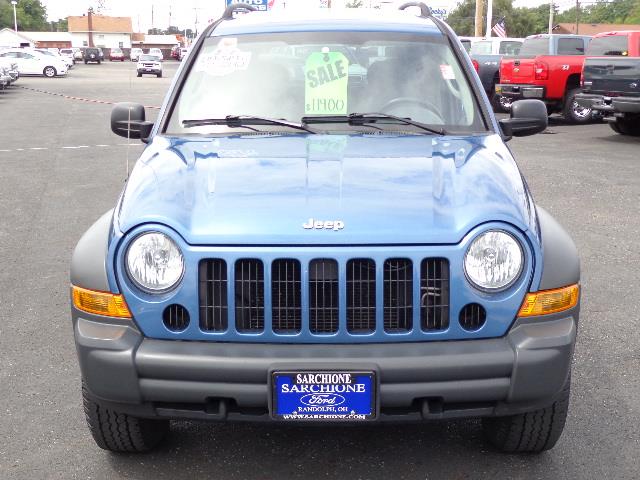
(326, 84)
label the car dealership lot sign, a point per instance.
(261, 5)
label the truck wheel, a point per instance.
(574, 113)
(626, 127)
(503, 103)
(119, 432)
(531, 432)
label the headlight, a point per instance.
(154, 262)
(493, 261)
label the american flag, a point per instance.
(500, 29)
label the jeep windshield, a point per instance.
(326, 79)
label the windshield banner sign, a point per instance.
(326, 83)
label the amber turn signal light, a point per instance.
(100, 303)
(549, 301)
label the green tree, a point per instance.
(32, 15)
(528, 21)
(60, 25)
(616, 11)
(354, 4)
(523, 21)
(462, 18)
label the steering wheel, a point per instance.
(395, 102)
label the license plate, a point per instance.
(532, 93)
(328, 396)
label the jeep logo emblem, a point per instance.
(334, 225)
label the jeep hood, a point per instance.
(385, 189)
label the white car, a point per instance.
(55, 53)
(135, 54)
(149, 65)
(157, 52)
(497, 46)
(31, 62)
(68, 53)
(183, 53)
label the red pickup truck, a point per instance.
(548, 69)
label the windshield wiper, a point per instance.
(237, 121)
(365, 118)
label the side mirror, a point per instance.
(528, 117)
(128, 120)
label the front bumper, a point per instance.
(518, 92)
(609, 105)
(522, 371)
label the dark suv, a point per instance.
(92, 55)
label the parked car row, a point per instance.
(581, 77)
(36, 62)
(577, 76)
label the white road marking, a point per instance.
(75, 148)
(38, 148)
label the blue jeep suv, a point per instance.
(326, 226)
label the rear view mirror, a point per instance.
(528, 117)
(129, 121)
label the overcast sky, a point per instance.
(184, 12)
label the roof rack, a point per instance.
(425, 11)
(237, 7)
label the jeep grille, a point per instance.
(312, 300)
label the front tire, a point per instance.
(159, 75)
(574, 113)
(119, 432)
(531, 432)
(49, 72)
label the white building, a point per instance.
(50, 39)
(100, 31)
(9, 38)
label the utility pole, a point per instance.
(478, 22)
(577, 17)
(489, 17)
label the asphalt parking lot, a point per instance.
(61, 168)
